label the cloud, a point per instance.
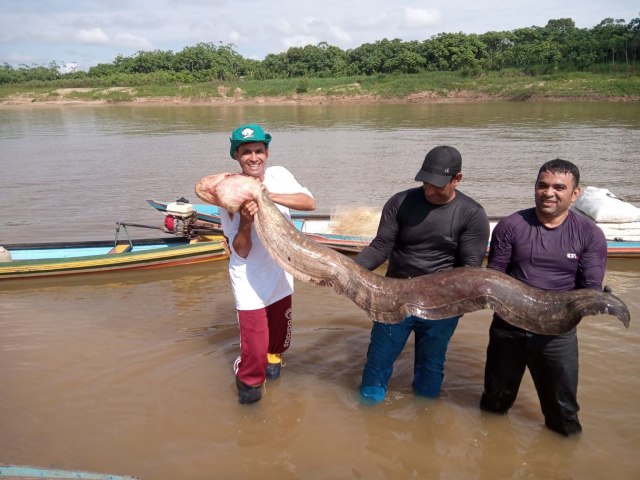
(131, 41)
(421, 17)
(283, 26)
(309, 24)
(340, 35)
(20, 58)
(372, 22)
(93, 36)
(97, 36)
(299, 41)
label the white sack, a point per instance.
(603, 206)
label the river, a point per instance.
(132, 373)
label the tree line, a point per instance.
(558, 46)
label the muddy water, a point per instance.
(132, 373)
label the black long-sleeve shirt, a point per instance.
(418, 237)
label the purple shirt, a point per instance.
(572, 255)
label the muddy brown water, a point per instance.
(131, 373)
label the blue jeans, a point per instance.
(387, 341)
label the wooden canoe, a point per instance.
(29, 260)
(23, 472)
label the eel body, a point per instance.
(435, 296)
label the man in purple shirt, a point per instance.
(553, 248)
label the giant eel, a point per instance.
(435, 296)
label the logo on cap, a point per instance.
(246, 133)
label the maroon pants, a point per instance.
(262, 331)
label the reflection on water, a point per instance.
(131, 373)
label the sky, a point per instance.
(84, 33)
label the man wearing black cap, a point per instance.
(262, 290)
(422, 230)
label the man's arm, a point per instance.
(591, 267)
(500, 248)
(473, 241)
(296, 201)
(292, 194)
(242, 242)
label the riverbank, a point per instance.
(430, 87)
(67, 98)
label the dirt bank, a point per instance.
(68, 96)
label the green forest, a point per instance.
(611, 47)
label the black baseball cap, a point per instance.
(440, 164)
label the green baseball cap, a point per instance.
(248, 133)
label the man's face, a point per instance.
(252, 158)
(441, 195)
(554, 193)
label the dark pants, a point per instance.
(387, 341)
(552, 361)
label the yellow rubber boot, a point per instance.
(274, 363)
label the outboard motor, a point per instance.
(180, 218)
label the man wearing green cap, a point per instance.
(262, 290)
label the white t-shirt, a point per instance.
(257, 281)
